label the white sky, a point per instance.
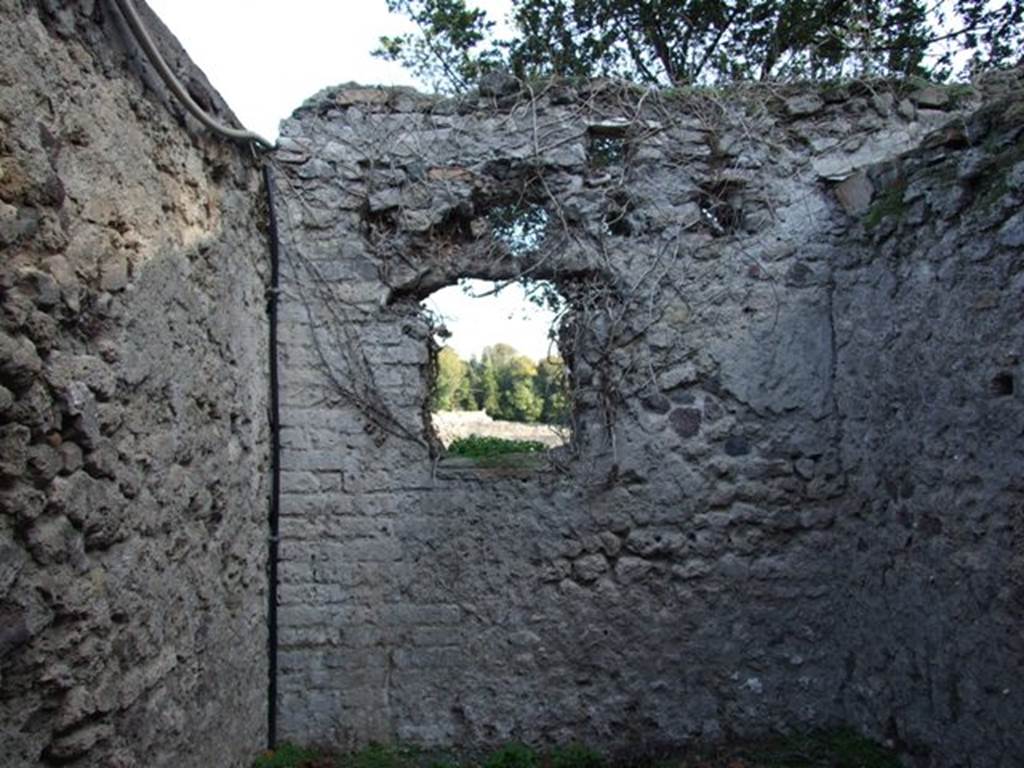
(506, 317)
(265, 59)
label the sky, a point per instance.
(522, 324)
(265, 59)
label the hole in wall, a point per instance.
(498, 374)
(605, 151)
(718, 205)
(521, 227)
(617, 221)
(1002, 384)
(606, 144)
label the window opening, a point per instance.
(606, 143)
(606, 151)
(500, 384)
(520, 227)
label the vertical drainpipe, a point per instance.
(275, 463)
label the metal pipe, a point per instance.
(275, 462)
(144, 40)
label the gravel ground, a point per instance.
(451, 425)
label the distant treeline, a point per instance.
(506, 384)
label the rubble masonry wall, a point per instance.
(133, 395)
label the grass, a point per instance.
(512, 756)
(287, 756)
(496, 452)
(841, 748)
(574, 756)
(380, 756)
(836, 748)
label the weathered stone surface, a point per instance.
(792, 500)
(685, 421)
(1011, 234)
(19, 362)
(930, 96)
(14, 441)
(804, 104)
(132, 409)
(909, 385)
(498, 83)
(689, 533)
(855, 193)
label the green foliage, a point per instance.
(453, 387)
(552, 386)
(286, 756)
(505, 384)
(574, 756)
(889, 203)
(518, 401)
(606, 151)
(680, 42)
(477, 447)
(378, 756)
(836, 748)
(448, 51)
(521, 227)
(512, 756)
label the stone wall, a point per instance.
(694, 564)
(133, 390)
(930, 340)
(793, 497)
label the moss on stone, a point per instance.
(994, 183)
(890, 203)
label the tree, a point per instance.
(507, 385)
(519, 401)
(451, 386)
(682, 42)
(444, 53)
(513, 374)
(552, 386)
(485, 385)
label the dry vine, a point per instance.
(609, 311)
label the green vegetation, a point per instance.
(381, 756)
(839, 748)
(574, 756)
(477, 447)
(889, 203)
(521, 227)
(606, 151)
(512, 756)
(505, 384)
(993, 183)
(287, 756)
(702, 42)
